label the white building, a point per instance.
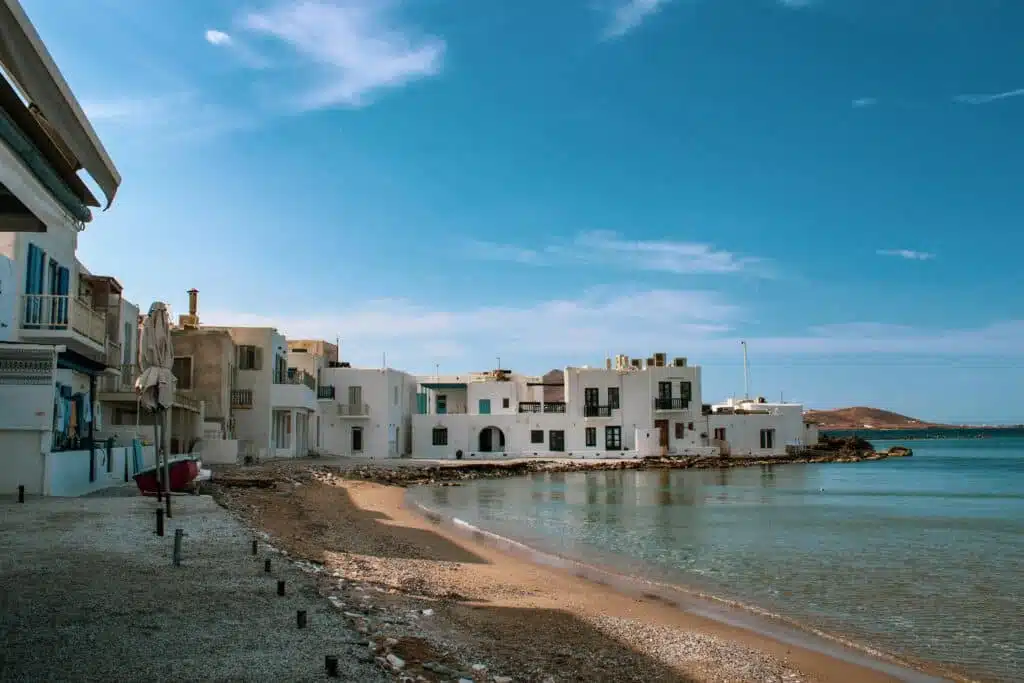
(629, 408)
(366, 412)
(60, 325)
(755, 427)
(272, 406)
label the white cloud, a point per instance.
(908, 254)
(985, 99)
(168, 118)
(577, 331)
(215, 37)
(626, 15)
(608, 248)
(357, 48)
(864, 102)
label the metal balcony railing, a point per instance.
(554, 407)
(354, 409)
(529, 406)
(597, 411)
(241, 398)
(295, 376)
(671, 403)
(62, 312)
(325, 391)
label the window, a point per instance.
(357, 439)
(536, 436)
(442, 404)
(767, 438)
(440, 436)
(485, 406)
(591, 396)
(250, 357)
(680, 430)
(504, 403)
(613, 397)
(556, 440)
(182, 370)
(685, 393)
(613, 438)
(395, 399)
(591, 434)
(720, 433)
(665, 391)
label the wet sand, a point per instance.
(505, 614)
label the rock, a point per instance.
(395, 662)
(479, 667)
(391, 642)
(465, 680)
(502, 679)
(428, 613)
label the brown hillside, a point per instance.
(860, 417)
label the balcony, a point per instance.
(671, 404)
(63, 319)
(353, 410)
(554, 407)
(325, 392)
(597, 411)
(121, 388)
(113, 355)
(241, 398)
(529, 406)
(297, 391)
(295, 376)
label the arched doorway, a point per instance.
(492, 440)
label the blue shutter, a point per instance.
(63, 282)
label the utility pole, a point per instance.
(746, 372)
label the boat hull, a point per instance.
(181, 474)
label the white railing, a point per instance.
(62, 312)
(354, 409)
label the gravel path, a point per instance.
(88, 593)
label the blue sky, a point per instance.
(449, 181)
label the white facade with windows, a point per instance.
(755, 427)
(366, 412)
(626, 409)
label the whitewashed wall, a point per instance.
(391, 397)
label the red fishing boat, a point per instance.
(182, 473)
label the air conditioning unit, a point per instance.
(679, 362)
(659, 359)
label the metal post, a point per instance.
(280, 587)
(157, 445)
(21, 493)
(331, 664)
(300, 618)
(159, 521)
(178, 533)
(167, 456)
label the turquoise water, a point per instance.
(921, 557)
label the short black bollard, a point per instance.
(21, 493)
(331, 664)
(266, 565)
(280, 587)
(159, 521)
(300, 618)
(255, 546)
(178, 533)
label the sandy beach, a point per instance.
(443, 606)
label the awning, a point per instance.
(24, 57)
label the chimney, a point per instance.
(190, 321)
(193, 302)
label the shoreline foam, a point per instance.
(715, 607)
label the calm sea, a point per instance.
(921, 557)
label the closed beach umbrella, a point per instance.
(156, 383)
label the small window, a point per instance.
(440, 436)
(182, 370)
(680, 430)
(556, 440)
(613, 438)
(720, 433)
(536, 436)
(504, 403)
(250, 357)
(591, 434)
(768, 438)
(613, 397)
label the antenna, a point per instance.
(499, 363)
(746, 372)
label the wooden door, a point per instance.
(662, 427)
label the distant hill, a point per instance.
(860, 417)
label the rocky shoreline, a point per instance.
(411, 473)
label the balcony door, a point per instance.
(665, 392)
(355, 398)
(591, 396)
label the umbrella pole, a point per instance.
(167, 456)
(158, 443)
